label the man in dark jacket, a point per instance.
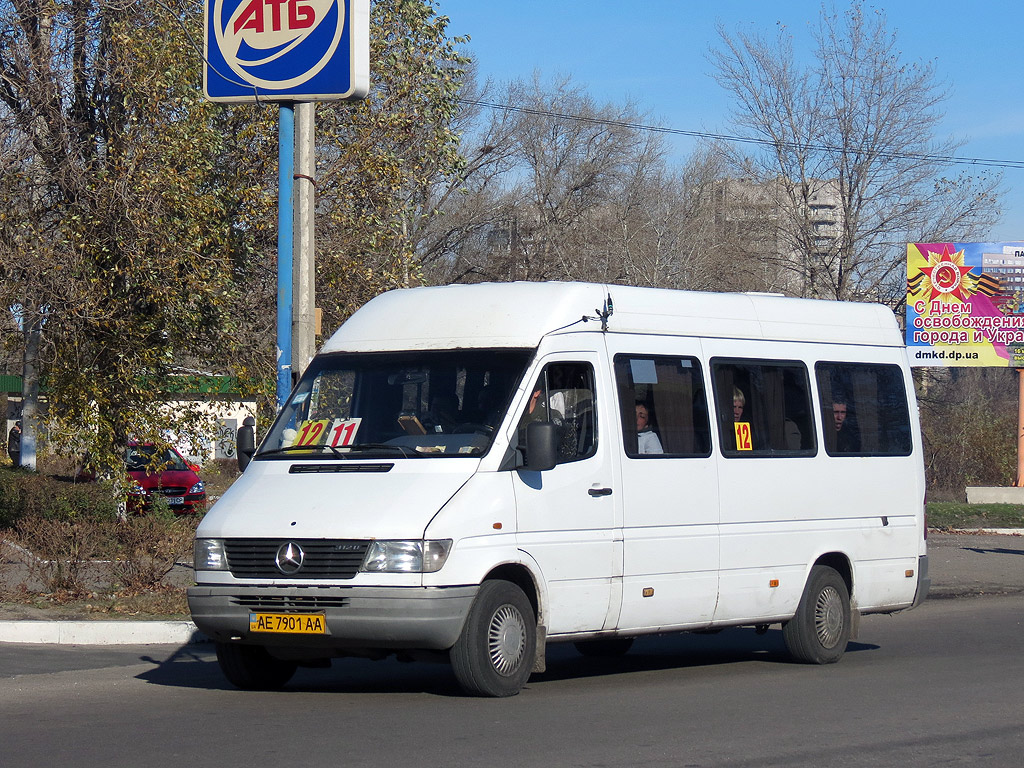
(14, 444)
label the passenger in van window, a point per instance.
(646, 438)
(739, 402)
(846, 438)
(537, 410)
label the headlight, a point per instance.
(199, 487)
(136, 490)
(210, 555)
(407, 556)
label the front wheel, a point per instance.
(820, 630)
(494, 655)
(252, 668)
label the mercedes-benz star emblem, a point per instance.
(289, 558)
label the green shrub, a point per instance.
(11, 503)
(26, 493)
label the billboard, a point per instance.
(286, 50)
(965, 304)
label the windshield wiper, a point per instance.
(290, 448)
(405, 450)
(348, 450)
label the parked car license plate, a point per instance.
(289, 623)
(175, 500)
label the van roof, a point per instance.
(519, 315)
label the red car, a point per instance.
(171, 477)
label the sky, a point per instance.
(654, 52)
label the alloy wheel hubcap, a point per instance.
(828, 617)
(506, 640)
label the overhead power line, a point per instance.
(942, 159)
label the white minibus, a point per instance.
(471, 472)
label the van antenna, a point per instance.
(608, 311)
(601, 314)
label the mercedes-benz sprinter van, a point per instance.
(472, 472)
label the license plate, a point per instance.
(175, 500)
(288, 623)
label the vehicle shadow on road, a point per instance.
(995, 551)
(195, 666)
(679, 651)
(190, 666)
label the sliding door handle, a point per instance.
(595, 492)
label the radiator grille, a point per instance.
(324, 558)
(290, 602)
(171, 490)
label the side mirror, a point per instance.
(541, 446)
(245, 442)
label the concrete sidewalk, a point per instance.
(961, 564)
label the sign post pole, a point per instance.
(285, 155)
(1019, 482)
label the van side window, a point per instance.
(564, 394)
(764, 408)
(864, 409)
(663, 406)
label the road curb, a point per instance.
(987, 531)
(101, 632)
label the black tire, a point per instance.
(820, 630)
(252, 668)
(608, 647)
(495, 653)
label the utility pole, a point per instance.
(304, 266)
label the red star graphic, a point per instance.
(947, 276)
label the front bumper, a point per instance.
(424, 618)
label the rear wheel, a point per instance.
(252, 668)
(494, 655)
(605, 647)
(820, 630)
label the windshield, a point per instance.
(142, 458)
(409, 404)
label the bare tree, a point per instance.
(563, 188)
(849, 160)
(668, 224)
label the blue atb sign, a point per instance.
(287, 50)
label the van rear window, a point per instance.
(864, 409)
(764, 408)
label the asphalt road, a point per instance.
(937, 685)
